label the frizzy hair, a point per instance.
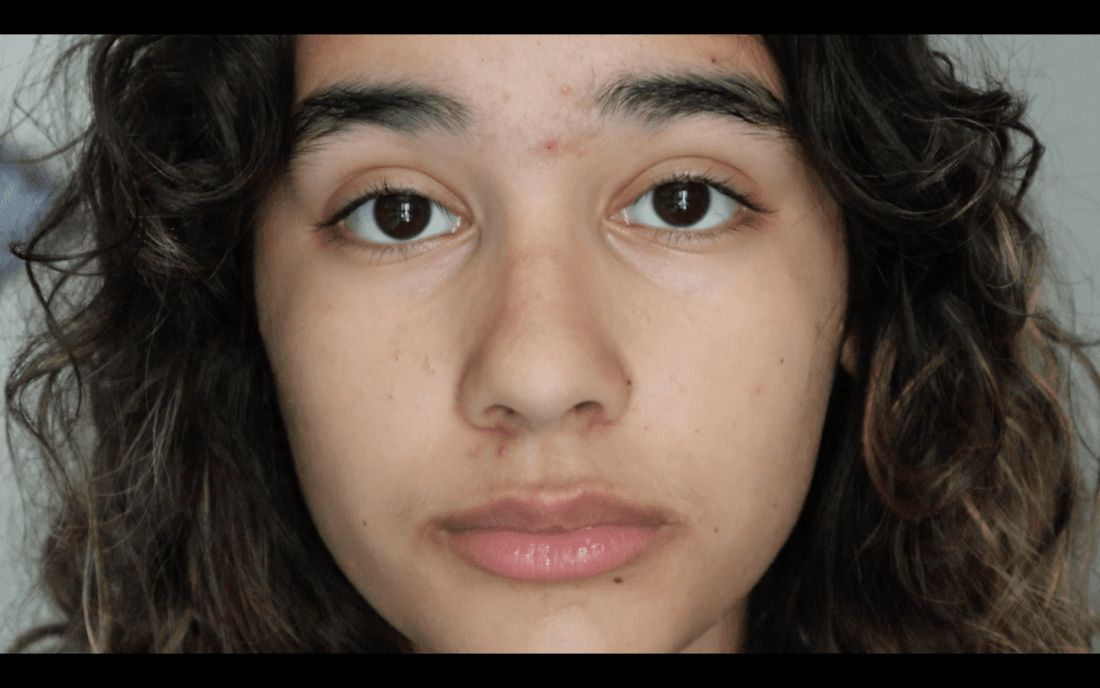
(947, 510)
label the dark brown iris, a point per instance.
(681, 203)
(402, 216)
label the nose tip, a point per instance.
(544, 359)
(583, 416)
(532, 392)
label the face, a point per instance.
(552, 301)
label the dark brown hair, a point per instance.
(947, 510)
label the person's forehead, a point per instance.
(462, 60)
(523, 84)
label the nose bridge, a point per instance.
(542, 356)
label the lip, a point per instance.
(541, 514)
(540, 538)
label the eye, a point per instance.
(682, 204)
(392, 218)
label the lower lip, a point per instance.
(554, 556)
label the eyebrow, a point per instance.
(654, 99)
(660, 99)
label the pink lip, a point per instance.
(535, 538)
(533, 514)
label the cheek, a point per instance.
(355, 402)
(762, 384)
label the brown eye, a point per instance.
(403, 216)
(682, 205)
(395, 218)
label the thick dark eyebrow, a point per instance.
(401, 107)
(664, 98)
(410, 109)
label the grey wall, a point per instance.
(1061, 73)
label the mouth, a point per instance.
(535, 539)
(535, 514)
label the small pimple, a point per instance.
(565, 90)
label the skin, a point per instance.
(547, 345)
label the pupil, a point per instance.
(681, 203)
(402, 216)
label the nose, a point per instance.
(544, 357)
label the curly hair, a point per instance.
(948, 510)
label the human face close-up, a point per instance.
(576, 404)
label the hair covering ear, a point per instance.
(849, 354)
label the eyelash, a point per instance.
(671, 238)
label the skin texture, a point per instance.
(547, 346)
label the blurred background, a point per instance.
(1061, 74)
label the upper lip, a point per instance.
(540, 513)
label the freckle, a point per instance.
(628, 383)
(391, 397)
(565, 90)
(364, 523)
(716, 529)
(504, 98)
(781, 361)
(617, 579)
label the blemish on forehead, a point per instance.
(555, 145)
